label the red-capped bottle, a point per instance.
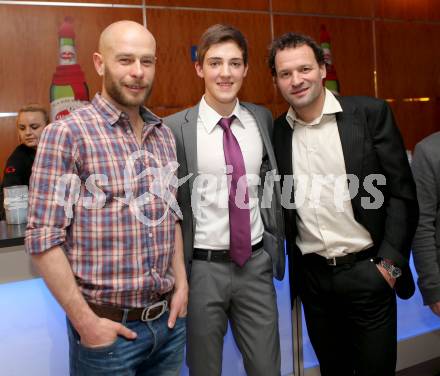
(331, 80)
(69, 89)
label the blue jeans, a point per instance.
(157, 351)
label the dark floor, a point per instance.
(431, 368)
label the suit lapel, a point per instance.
(189, 134)
(285, 162)
(351, 133)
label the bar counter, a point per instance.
(11, 235)
(15, 263)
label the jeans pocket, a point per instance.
(181, 322)
(113, 359)
(99, 348)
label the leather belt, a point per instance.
(351, 258)
(221, 255)
(148, 313)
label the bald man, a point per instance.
(103, 226)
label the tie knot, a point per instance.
(225, 123)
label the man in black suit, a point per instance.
(350, 211)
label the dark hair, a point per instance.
(293, 40)
(34, 107)
(219, 34)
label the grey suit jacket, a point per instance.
(426, 246)
(184, 126)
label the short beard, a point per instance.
(114, 91)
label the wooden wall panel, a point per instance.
(33, 52)
(406, 54)
(416, 120)
(407, 68)
(9, 141)
(118, 2)
(359, 8)
(29, 35)
(224, 4)
(407, 59)
(433, 13)
(352, 48)
(421, 10)
(177, 85)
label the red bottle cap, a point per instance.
(66, 28)
(324, 36)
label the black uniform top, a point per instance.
(19, 166)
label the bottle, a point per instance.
(69, 89)
(331, 80)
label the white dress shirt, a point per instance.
(211, 211)
(325, 218)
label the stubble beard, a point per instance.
(306, 102)
(114, 90)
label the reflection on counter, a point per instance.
(11, 235)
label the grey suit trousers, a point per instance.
(221, 291)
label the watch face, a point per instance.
(395, 272)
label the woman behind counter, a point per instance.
(31, 121)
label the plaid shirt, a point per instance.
(117, 234)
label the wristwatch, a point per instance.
(393, 270)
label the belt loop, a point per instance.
(208, 258)
(124, 316)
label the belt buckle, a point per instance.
(331, 261)
(163, 305)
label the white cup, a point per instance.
(16, 204)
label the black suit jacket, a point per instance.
(371, 144)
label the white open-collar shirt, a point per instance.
(325, 220)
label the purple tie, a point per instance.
(240, 247)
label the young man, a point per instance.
(350, 222)
(233, 238)
(107, 246)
